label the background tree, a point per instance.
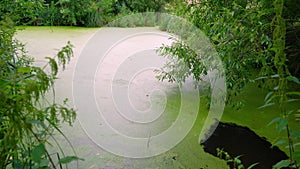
(242, 35)
(75, 12)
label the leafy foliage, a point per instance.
(280, 94)
(233, 162)
(185, 63)
(242, 34)
(74, 12)
(141, 5)
(253, 38)
(26, 119)
(233, 29)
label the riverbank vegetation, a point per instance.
(27, 119)
(90, 13)
(258, 42)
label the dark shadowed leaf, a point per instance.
(293, 79)
(296, 154)
(252, 165)
(38, 152)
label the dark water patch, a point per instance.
(241, 141)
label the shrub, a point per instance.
(25, 125)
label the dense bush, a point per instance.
(140, 5)
(27, 119)
(241, 32)
(75, 12)
(258, 38)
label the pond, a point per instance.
(115, 92)
(124, 77)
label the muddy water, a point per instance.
(113, 87)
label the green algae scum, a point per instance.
(44, 41)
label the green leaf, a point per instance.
(292, 100)
(282, 125)
(266, 77)
(69, 159)
(274, 120)
(29, 76)
(266, 105)
(293, 93)
(252, 165)
(273, 49)
(237, 160)
(24, 70)
(38, 152)
(281, 164)
(290, 112)
(3, 83)
(44, 163)
(296, 154)
(54, 66)
(295, 133)
(268, 96)
(275, 76)
(281, 141)
(293, 79)
(296, 144)
(262, 77)
(38, 122)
